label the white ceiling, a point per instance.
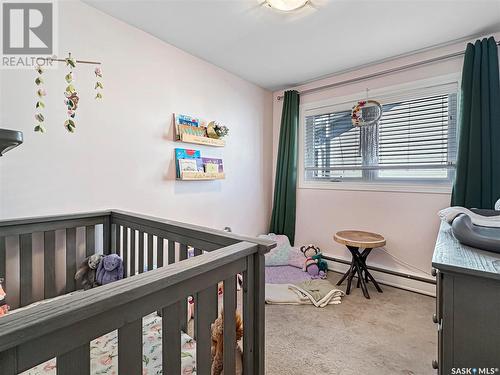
(277, 50)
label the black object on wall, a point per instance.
(9, 139)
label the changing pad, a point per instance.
(480, 237)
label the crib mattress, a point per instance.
(104, 353)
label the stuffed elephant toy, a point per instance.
(110, 269)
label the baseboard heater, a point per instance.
(386, 271)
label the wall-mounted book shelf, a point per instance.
(196, 139)
(189, 129)
(196, 176)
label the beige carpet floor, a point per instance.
(392, 333)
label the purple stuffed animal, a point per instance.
(110, 269)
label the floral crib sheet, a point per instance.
(104, 353)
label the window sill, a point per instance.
(380, 187)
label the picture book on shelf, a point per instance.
(188, 165)
(186, 123)
(182, 154)
(213, 165)
(188, 120)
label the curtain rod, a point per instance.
(382, 73)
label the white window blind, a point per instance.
(414, 140)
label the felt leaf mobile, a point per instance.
(98, 85)
(71, 97)
(39, 118)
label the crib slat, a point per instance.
(106, 236)
(49, 264)
(150, 252)
(159, 252)
(26, 269)
(3, 259)
(117, 237)
(183, 311)
(171, 251)
(70, 259)
(132, 252)
(125, 252)
(248, 311)
(89, 240)
(171, 339)
(183, 252)
(206, 305)
(8, 362)
(229, 325)
(75, 362)
(130, 348)
(141, 252)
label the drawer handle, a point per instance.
(434, 272)
(435, 319)
(435, 365)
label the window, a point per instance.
(415, 140)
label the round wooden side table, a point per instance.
(355, 240)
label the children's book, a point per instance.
(183, 153)
(217, 162)
(186, 120)
(211, 168)
(188, 165)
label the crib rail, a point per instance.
(39, 256)
(64, 328)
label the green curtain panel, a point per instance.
(477, 182)
(284, 206)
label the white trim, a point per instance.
(345, 103)
(373, 186)
(386, 279)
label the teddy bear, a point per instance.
(4, 308)
(314, 264)
(86, 273)
(218, 345)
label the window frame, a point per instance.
(335, 104)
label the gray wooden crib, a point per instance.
(38, 260)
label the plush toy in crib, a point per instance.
(86, 273)
(314, 264)
(110, 269)
(4, 308)
(218, 345)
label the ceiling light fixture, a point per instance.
(286, 5)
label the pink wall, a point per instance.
(122, 155)
(407, 220)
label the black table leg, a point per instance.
(368, 275)
(349, 279)
(347, 273)
(358, 263)
(358, 267)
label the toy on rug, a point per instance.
(314, 264)
(110, 269)
(4, 308)
(218, 345)
(86, 273)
